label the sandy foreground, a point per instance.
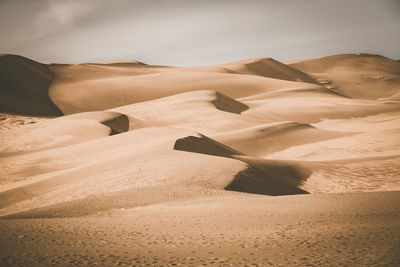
(254, 162)
(322, 229)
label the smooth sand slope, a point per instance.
(249, 162)
(89, 87)
(62, 131)
(268, 67)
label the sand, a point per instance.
(249, 162)
(354, 229)
(24, 87)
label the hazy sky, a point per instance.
(201, 32)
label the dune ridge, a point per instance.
(260, 140)
(268, 67)
(204, 145)
(261, 176)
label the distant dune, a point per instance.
(268, 67)
(355, 75)
(252, 161)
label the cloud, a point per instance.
(62, 13)
(190, 32)
(23, 21)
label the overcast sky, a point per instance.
(200, 32)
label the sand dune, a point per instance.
(137, 82)
(268, 123)
(268, 67)
(268, 177)
(360, 62)
(24, 87)
(261, 177)
(62, 131)
(355, 75)
(70, 96)
(263, 67)
(208, 111)
(260, 140)
(187, 165)
(313, 109)
(123, 62)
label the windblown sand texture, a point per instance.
(249, 162)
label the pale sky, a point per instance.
(200, 32)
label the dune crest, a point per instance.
(122, 62)
(261, 177)
(268, 67)
(261, 140)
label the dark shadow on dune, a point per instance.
(118, 125)
(225, 103)
(24, 86)
(204, 145)
(270, 178)
(261, 177)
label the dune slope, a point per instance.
(268, 67)
(361, 76)
(261, 177)
(24, 87)
(62, 131)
